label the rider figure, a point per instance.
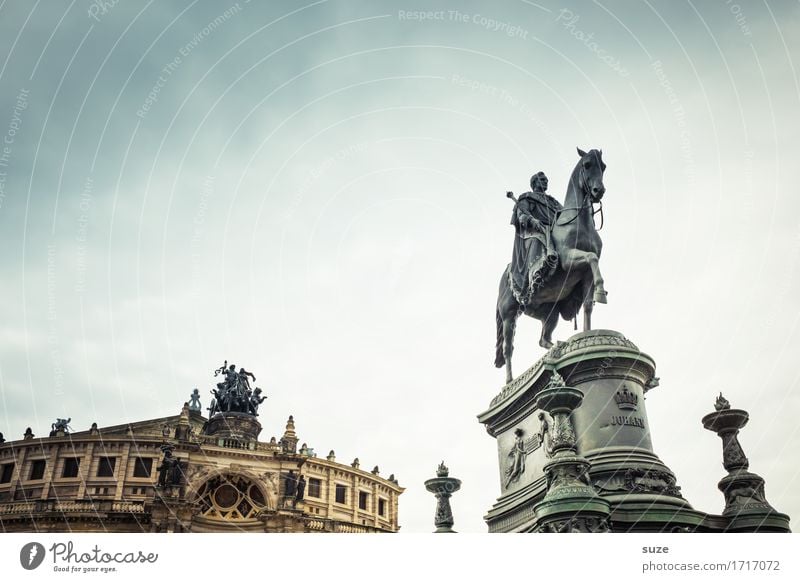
(534, 257)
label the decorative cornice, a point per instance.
(520, 380)
(595, 340)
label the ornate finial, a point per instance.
(304, 449)
(28, 434)
(194, 401)
(356, 463)
(94, 431)
(290, 428)
(289, 439)
(442, 486)
(722, 403)
(2, 440)
(392, 479)
(376, 470)
(331, 456)
(556, 381)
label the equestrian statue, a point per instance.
(554, 265)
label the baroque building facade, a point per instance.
(187, 473)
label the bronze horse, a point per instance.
(577, 280)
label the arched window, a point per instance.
(230, 497)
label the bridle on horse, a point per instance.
(587, 197)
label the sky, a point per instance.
(316, 192)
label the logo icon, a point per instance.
(31, 555)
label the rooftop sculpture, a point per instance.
(234, 394)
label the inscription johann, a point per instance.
(627, 421)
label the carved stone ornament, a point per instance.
(744, 491)
(733, 457)
(577, 525)
(515, 462)
(515, 459)
(626, 400)
(650, 481)
(573, 345)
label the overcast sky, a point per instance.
(316, 192)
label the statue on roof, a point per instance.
(60, 425)
(194, 401)
(235, 394)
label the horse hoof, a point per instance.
(600, 297)
(545, 344)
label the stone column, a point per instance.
(21, 458)
(123, 471)
(746, 506)
(52, 462)
(83, 470)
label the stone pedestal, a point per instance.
(234, 425)
(612, 436)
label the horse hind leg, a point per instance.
(509, 326)
(589, 298)
(499, 359)
(548, 326)
(587, 314)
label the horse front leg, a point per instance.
(576, 259)
(600, 295)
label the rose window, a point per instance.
(230, 497)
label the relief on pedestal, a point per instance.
(746, 494)
(576, 525)
(515, 459)
(637, 480)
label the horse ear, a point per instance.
(581, 153)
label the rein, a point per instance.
(586, 197)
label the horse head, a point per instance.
(590, 172)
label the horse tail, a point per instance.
(499, 358)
